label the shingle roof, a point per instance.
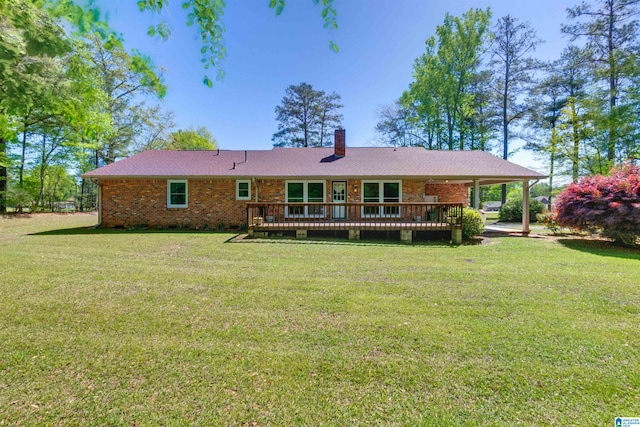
(359, 162)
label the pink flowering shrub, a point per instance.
(606, 204)
(549, 220)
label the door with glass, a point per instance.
(339, 197)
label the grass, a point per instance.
(113, 327)
(492, 215)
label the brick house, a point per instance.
(298, 188)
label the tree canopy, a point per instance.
(189, 139)
(72, 96)
(307, 117)
(479, 85)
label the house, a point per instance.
(542, 199)
(492, 206)
(406, 189)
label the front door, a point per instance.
(339, 195)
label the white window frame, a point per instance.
(305, 199)
(186, 196)
(380, 213)
(243, 181)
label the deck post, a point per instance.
(406, 236)
(301, 234)
(354, 234)
(456, 236)
(250, 231)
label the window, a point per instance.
(305, 192)
(381, 192)
(177, 195)
(243, 190)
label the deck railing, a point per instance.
(361, 216)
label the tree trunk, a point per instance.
(552, 161)
(611, 143)
(575, 161)
(81, 206)
(505, 126)
(43, 160)
(450, 126)
(23, 155)
(3, 176)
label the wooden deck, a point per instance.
(407, 218)
(350, 225)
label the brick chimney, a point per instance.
(339, 143)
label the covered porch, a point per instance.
(475, 185)
(407, 218)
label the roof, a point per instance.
(310, 163)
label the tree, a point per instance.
(306, 116)
(610, 204)
(396, 126)
(482, 124)
(204, 15)
(548, 101)
(609, 28)
(574, 79)
(442, 93)
(27, 37)
(513, 68)
(127, 81)
(189, 139)
(328, 117)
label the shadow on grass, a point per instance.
(15, 215)
(98, 230)
(600, 247)
(241, 238)
(337, 241)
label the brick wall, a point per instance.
(448, 193)
(143, 202)
(129, 203)
(270, 190)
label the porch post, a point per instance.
(476, 194)
(525, 207)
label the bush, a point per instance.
(20, 199)
(472, 223)
(549, 221)
(606, 204)
(511, 211)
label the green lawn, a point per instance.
(491, 215)
(176, 328)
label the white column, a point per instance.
(476, 194)
(525, 207)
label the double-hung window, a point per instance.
(305, 192)
(243, 190)
(177, 194)
(381, 193)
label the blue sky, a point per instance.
(378, 40)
